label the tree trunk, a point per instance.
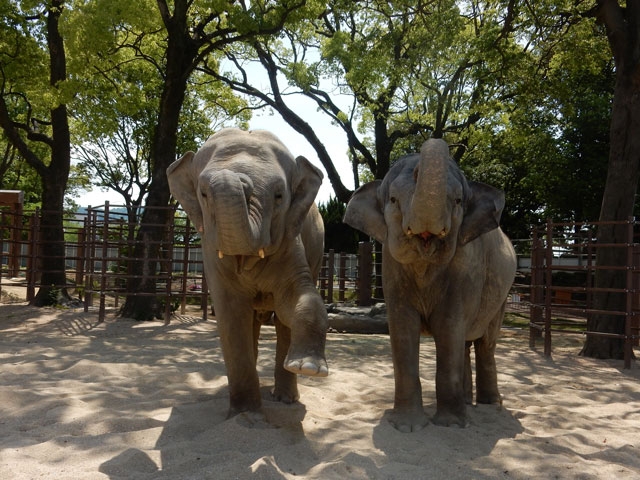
(622, 181)
(51, 263)
(181, 53)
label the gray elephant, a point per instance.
(446, 271)
(262, 239)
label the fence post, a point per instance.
(32, 256)
(628, 340)
(82, 234)
(169, 265)
(548, 289)
(103, 263)
(342, 274)
(536, 285)
(364, 274)
(377, 279)
(330, 274)
(185, 266)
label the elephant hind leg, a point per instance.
(468, 379)
(486, 371)
(286, 382)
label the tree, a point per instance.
(192, 37)
(408, 71)
(34, 92)
(338, 236)
(622, 24)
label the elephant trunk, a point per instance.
(237, 224)
(430, 210)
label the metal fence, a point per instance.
(99, 242)
(563, 269)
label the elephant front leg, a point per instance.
(286, 382)
(404, 329)
(237, 336)
(450, 371)
(306, 316)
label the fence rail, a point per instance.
(98, 242)
(563, 293)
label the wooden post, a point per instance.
(628, 338)
(342, 274)
(103, 270)
(323, 278)
(330, 274)
(364, 274)
(82, 235)
(32, 256)
(15, 200)
(379, 294)
(548, 289)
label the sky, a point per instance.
(333, 138)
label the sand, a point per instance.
(127, 400)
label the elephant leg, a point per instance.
(257, 324)
(404, 330)
(306, 316)
(286, 382)
(468, 379)
(486, 371)
(450, 372)
(237, 336)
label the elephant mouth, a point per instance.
(244, 262)
(426, 242)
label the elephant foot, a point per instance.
(468, 398)
(285, 395)
(254, 420)
(489, 398)
(310, 365)
(406, 422)
(449, 419)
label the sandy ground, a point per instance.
(126, 400)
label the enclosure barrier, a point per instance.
(563, 269)
(99, 242)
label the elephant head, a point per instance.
(244, 192)
(425, 208)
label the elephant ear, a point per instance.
(305, 184)
(183, 187)
(483, 211)
(364, 211)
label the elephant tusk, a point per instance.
(220, 254)
(409, 232)
(261, 253)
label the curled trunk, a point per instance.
(237, 221)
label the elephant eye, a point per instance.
(279, 197)
(203, 195)
(458, 201)
(392, 199)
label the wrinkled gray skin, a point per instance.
(262, 239)
(446, 271)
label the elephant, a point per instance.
(262, 240)
(447, 268)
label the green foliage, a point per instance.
(523, 91)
